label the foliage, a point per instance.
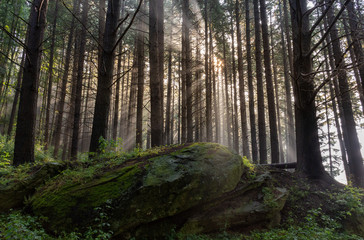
(351, 200)
(316, 226)
(10, 173)
(25, 227)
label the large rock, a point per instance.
(196, 189)
(14, 193)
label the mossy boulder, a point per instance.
(14, 193)
(199, 188)
(143, 191)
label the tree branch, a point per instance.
(321, 17)
(127, 28)
(83, 25)
(329, 28)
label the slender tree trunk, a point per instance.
(269, 84)
(309, 160)
(50, 77)
(354, 24)
(243, 117)
(102, 104)
(156, 64)
(253, 131)
(235, 109)
(290, 141)
(259, 76)
(277, 104)
(207, 81)
(24, 137)
(227, 101)
(78, 95)
(130, 130)
(117, 95)
(16, 97)
(140, 97)
(61, 103)
(352, 145)
(169, 89)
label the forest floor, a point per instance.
(314, 209)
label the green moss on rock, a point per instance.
(143, 191)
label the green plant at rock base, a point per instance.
(269, 198)
(351, 200)
(24, 227)
(316, 226)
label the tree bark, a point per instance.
(260, 91)
(156, 64)
(243, 117)
(61, 102)
(24, 137)
(253, 131)
(103, 95)
(78, 92)
(269, 84)
(309, 159)
(352, 144)
(50, 77)
(140, 97)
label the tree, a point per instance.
(253, 133)
(259, 77)
(24, 137)
(244, 127)
(156, 50)
(105, 71)
(140, 66)
(50, 76)
(309, 159)
(352, 144)
(78, 90)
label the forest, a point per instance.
(280, 83)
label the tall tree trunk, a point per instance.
(61, 102)
(188, 72)
(352, 145)
(354, 24)
(16, 97)
(24, 137)
(235, 109)
(269, 84)
(290, 141)
(276, 87)
(227, 100)
(309, 160)
(253, 131)
(207, 81)
(50, 77)
(103, 94)
(117, 95)
(140, 97)
(168, 132)
(78, 92)
(155, 51)
(260, 91)
(130, 130)
(243, 117)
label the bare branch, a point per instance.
(127, 28)
(329, 28)
(318, 21)
(16, 39)
(83, 25)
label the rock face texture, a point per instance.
(13, 194)
(201, 188)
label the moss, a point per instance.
(68, 205)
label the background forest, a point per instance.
(277, 81)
